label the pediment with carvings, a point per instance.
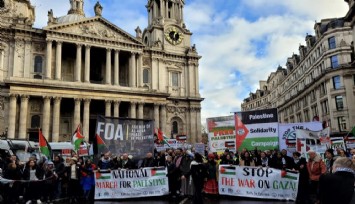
(96, 28)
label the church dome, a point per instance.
(70, 18)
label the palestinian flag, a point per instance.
(100, 142)
(77, 139)
(43, 144)
(101, 176)
(289, 175)
(158, 172)
(229, 144)
(227, 170)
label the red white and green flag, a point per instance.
(43, 144)
(100, 142)
(158, 172)
(229, 170)
(77, 139)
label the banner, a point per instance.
(335, 143)
(118, 184)
(200, 148)
(170, 143)
(313, 140)
(221, 134)
(257, 182)
(350, 142)
(287, 134)
(122, 135)
(257, 128)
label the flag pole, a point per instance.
(350, 131)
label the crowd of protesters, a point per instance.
(189, 173)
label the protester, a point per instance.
(59, 170)
(246, 160)
(199, 175)
(177, 161)
(33, 173)
(227, 160)
(87, 178)
(316, 168)
(288, 160)
(12, 192)
(148, 161)
(50, 178)
(105, 163)
(211, 185)
(73, 173)
(339, 186)
(329, 160)
(126, 162)
(300, 165)
(185, 173)
(172, 175)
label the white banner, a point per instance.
(257, 182)
(287, 134)
(168, 143)
(135, 183)
(313, 140)
(221, 134)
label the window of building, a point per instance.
(342, 124)
(314, 110)
(325, 107)
(175, 129)
(306, 115)
(354, 79)
(299, 117)
(292, 119)
(175, 79)
(336, 82)
(339, 102)
(35, 121)
(334, 61)
(145, 76)
(38, 64)
(2, 4)
(323, 88)
(331, 42)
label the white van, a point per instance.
(64, 149)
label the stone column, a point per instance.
(133, 109)
(86, 119)
(46, 115)
(166, 9)
(77, 104)
(117, 68)
(132, 73)
(191, 79)
(198, 125)
(108, 66)
(78, 63)
(140, 110)
(116, 109)
(163, 118)
(58, 61)
(197, 81)
(156, 116)
(12, 116)
(182, 13)
(161, 8)
(56, 119)
(87, 64)
(108, 108)
(140, 70)
(23, 117)
(49, 60)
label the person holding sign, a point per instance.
(339, 186)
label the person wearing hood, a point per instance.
(59, 170)
(338, 187)
(50, 178)
(316, 167)
(105, 162)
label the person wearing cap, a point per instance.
(338, 187)
(316, 168)
(73, 174)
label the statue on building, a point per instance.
(50, 17)
(138, 32)
(98, 9)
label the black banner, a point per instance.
(259, 116)
(122, 135)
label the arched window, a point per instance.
(38, 64)
(175, 127)
(145, 76)
(2, 4)
(35, 121)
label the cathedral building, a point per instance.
(78, 67)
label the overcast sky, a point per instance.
(240, 41)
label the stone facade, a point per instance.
(79, 67)
(317, 84)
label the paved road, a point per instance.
(217, 200)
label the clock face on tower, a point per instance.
(174, 36)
